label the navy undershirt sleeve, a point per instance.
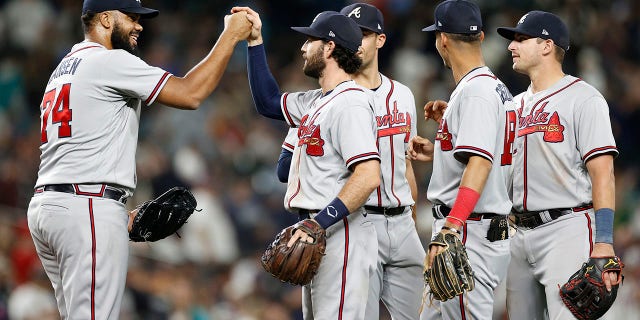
(284, 163)
(264, 88)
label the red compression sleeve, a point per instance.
(462, 208)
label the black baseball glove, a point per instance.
(450, 274)
(162, 216)
(585, 293)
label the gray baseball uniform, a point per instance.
(559, 129)
(400, 252)
(336, 130)
(90, 114)
(475, 123)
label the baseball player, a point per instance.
(389, 207)
(90, 117)
(563, 181)
(335, 164)
(468, 187)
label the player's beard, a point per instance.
(120, 40)
(315, 65)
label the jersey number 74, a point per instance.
(56, 104)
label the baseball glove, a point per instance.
(162, 216)
(450, 273)
(585, 293)
(299, 263)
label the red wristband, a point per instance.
(462, 208)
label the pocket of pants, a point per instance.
(53, 208)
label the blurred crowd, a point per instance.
(226, 153)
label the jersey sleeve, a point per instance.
(477, 129)
(296, 104)
(354, 132)
(593, 129)
(290, 140)
(133, 77)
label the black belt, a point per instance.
(306, 213)
(106, 191)
(534, 219)
(441, 211)
(386, 211)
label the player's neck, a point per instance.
(368, 77)
(99, 36)
(544, 77)
(464, 63)
(331, 77)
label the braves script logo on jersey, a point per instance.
(395, 123)
(539, 121)
(309, 134)
(444, 136)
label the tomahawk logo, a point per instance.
(355, 12)
(522, 19)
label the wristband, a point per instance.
(462, 208)
(452, 229)
(334, 212)
(604, 225)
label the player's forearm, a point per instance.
(264, 87)
(474, 178)
(602, 182)
(476, 173)
(364, 180)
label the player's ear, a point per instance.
(380, 40)
(328, 48)
(105, 19)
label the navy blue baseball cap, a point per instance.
(540, 24)
(336, 27)
(128, 6)
(366, 16)
(457, 16)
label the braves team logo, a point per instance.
(309, 134)
(396, 123)
(355, 12)
(539, 121)
(444, 136)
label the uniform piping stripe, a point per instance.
(344, 267)
(297, 177)
(362, 157)
(484, 75)
(464, 242)
(524, 172)
(288, 146)
(89, 47)
(155, 91)
(599, 150)
(485, 153)
(90, 194)
(93, 261)
(551, 94)
(586, 214)
(285, 109)
(391, 149)
(462, 313)
(379, 188)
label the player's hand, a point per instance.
(132, 215)
(434, 110)
(237, 25)
(605, 250)
(299, 235)
(434, 249)
(255, 37)
(420, 149)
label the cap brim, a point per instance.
(308, 32)
(510, 33)
(145, 13)
(431, 28)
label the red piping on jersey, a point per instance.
(524, 172)
(393, 165)
(379, 188)
(599, 150)
(89, 47)
(360, 157)
(477, 150)
(288, 146)
(586, 214)
(549, 95)
(298, 178)
(483, 75)
(344, 266)
(286, 110)
(93, 261)
(153, 93)
(461, 298)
